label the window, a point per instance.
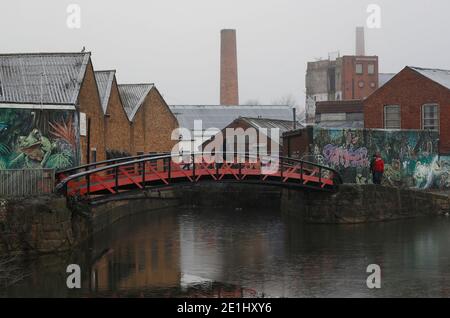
(392, 117)
(371, 69)
(359, 68)
(94, 154)
(430, 117)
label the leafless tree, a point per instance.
(252, 102)
(287, 99)
(290, 100)
(11, 272)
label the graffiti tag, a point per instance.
(346, 157)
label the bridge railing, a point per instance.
(162, 170)
(62, 174)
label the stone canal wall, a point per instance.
(234, 195)
(38, 225)
(109, 212)
(45, 224)
(362, 204)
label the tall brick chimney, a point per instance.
(229, 89)
(360, 42)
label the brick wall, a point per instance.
(351, 88)
(297, 143)
(159, 123)
(152, 126)
(411, 91)
(138, 132)
(229, 94)
(90, 104)
(117, 125)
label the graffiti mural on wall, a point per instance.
(38, 139)
(410, 156)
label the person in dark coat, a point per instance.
(372, 165)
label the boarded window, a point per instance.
(430, 117)
(392, 117)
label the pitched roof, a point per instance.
(217, 116)
(42, 78)
(383, 78)
(437, 75)
(133, 96)
(104, 83)
(282, 125)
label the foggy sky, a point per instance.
(175, 43)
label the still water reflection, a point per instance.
(246, 253)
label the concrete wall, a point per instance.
(409, 155)
(362, 204)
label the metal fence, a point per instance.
(26, 182)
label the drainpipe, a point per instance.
(294, 118)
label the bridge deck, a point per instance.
(163, 171)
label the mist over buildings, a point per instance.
(176, 43)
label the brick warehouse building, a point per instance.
(46, 100)
(152, 121)
(117, 126)
(415, 98)
(263, 128)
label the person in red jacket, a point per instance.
(377, 169)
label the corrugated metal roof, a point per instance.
(217, 116)
(383, 78)
(104, 83)
(282, 125)
(439, 76)
(47, 78)
(133, 96)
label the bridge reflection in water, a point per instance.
(235, 253)
(147, 261)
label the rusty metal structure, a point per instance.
(157, 171)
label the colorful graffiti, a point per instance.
(411, 158)
(347, 157)
(38, 139)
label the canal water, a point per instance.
(248, 253)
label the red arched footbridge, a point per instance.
(166, 170)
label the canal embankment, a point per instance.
(50, 223)
(355, 203)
